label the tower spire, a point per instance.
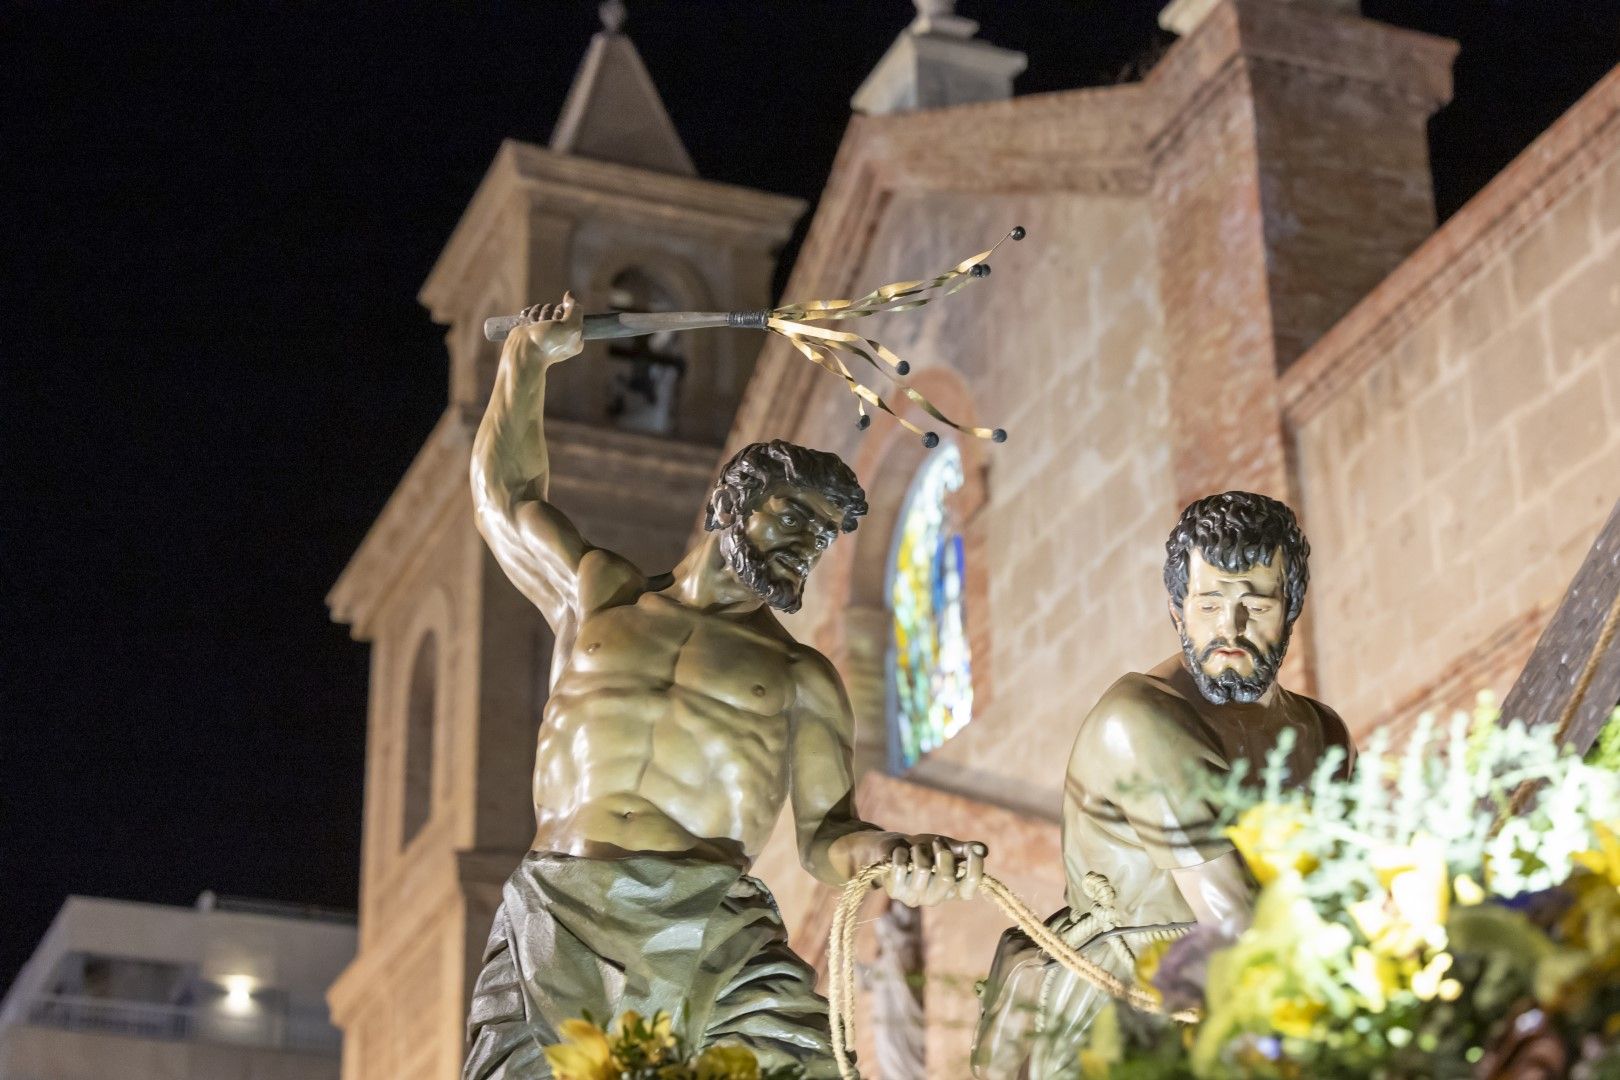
(613, 111)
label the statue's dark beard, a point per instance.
(753, 569)
(1229, 686)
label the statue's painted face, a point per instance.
(773, 548)
(1234, 627)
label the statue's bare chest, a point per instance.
(656, 644)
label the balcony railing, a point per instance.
(285, 1027)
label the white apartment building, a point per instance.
(224, 990)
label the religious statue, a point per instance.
(1139, 848)
(682, 716)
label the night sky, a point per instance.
(213, 369)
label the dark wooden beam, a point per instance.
(1572, 679)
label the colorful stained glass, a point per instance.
(931, 670)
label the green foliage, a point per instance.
(1605, 753)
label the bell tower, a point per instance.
(613, 210)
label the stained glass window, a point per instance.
(931, 671)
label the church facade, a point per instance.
(1232, 279)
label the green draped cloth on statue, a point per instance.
(700, 941)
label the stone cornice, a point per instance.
(1581, 141)
(1471, 669)
(525, 176)
(1087, 140)
(436, 477)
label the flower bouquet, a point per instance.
(1449, 911)
(635, 1048)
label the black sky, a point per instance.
(213, 223)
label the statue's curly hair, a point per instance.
(1235, 530)
(755, 468)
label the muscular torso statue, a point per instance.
(682, 717)
(669, 727)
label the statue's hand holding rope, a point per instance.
(920, 870)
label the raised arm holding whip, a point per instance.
(831, 350)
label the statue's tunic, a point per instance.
(699, 940)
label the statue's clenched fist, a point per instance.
(924, 869)
(554, 330)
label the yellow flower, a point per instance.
(1420, 890)
(1371, 917)
(1147, 965)
(1604, 860)
(1374, 977)
(1468, 890)
(1296, 1016)
(1427, 982)
(655, 1037)
(1265, 836)
(583, 1054)
(1278, 977)
(1589, 955)
(727, 1063)
(1104, 1046)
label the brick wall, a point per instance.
(1458, 435)
(1062, 347)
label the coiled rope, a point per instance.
(841, 959)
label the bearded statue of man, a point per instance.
(1140, 847)
(682, 719)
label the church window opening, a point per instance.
(931, 674)
(420, 707)
(646, 370)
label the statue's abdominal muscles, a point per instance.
(663, 756)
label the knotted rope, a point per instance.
(841, 964)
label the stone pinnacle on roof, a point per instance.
(613, 111)
(937, 62)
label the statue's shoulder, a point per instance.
(1137, 708)
(1335, 732)
(1146, 696)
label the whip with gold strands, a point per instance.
(823, 346)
